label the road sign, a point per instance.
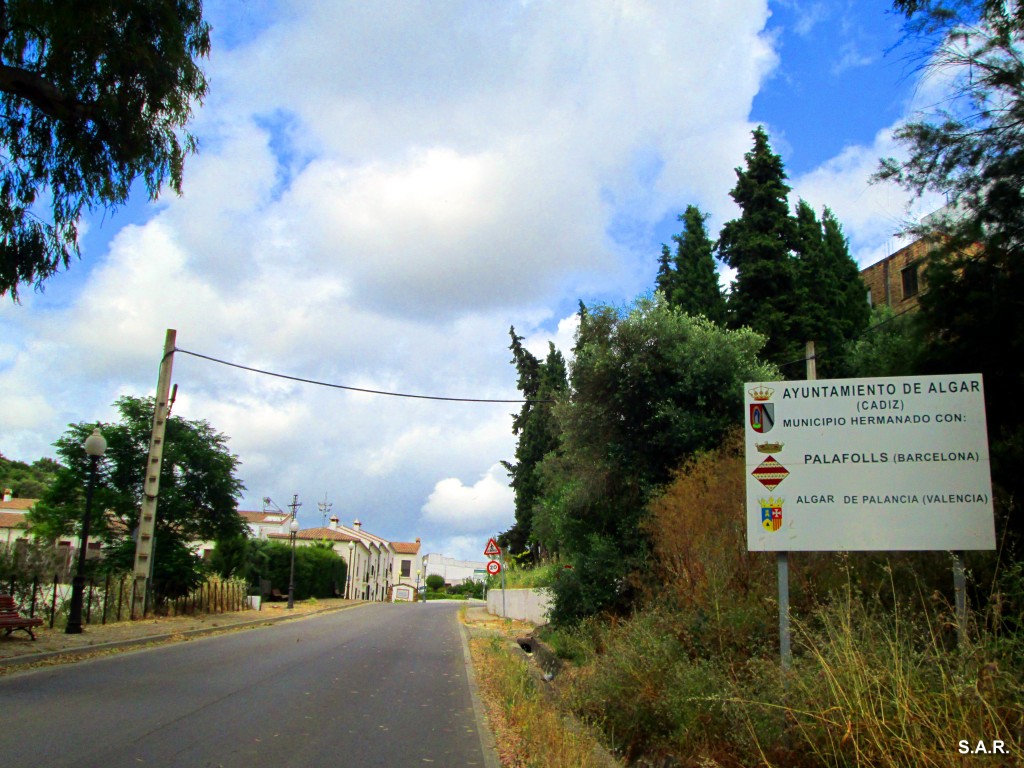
(492, 549)
(896, 463)
(494, 567)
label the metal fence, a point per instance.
(109, 599)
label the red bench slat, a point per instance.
(11, 620)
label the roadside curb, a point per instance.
(163, 637)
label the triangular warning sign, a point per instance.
(492, 549)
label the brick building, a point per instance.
(898, 280)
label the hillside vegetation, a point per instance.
(692, 676)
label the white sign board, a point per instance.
(895, 463)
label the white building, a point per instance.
(406, 575)
(453, 571)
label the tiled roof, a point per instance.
(367, 538)
(18, 505)
(13, 520)
(406, 547)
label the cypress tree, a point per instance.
(696, 290)
(854, 312)
(667, 275)
(758, 246)
(541, 383)
(834, 308)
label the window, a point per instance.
(909, 275)
(406, 568)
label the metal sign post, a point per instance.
(493, 550)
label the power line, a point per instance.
(352, 389)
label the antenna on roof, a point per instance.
(325, 509)
(269, 502)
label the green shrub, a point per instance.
(319, 571)
(653, 697)
(594, 583)
(578, 643)
(879, 677)
(467, 589)
(517, 576)
(435, 582)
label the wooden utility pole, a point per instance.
(151, 485)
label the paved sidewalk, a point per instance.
(54, 646)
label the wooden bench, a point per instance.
(275, 595)
(11, 619)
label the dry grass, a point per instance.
(529, 728)
(693, 678)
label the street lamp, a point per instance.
(95, 446)
(294, 528)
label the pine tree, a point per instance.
(971, 150)
(758, 246)
(94, 96)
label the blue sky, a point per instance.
(841, 76)
(384, 188)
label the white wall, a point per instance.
(522, 604)
(453, 571)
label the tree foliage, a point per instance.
(649, 386)
(972, 151)
(833, 308)
(758, 246)
(198, 498)
(94, 94)
(319, 570)
(542, 384)
(891, 346)
(435, 582)
(795, 279)
(27, 481)
(653, 384)
(689, 279)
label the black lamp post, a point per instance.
(95, 446)
(294, 528)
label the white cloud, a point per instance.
(485, 506)
(375, 208)
(872, 214)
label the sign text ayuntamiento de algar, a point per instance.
(880, 389)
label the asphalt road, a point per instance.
(380, 685)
